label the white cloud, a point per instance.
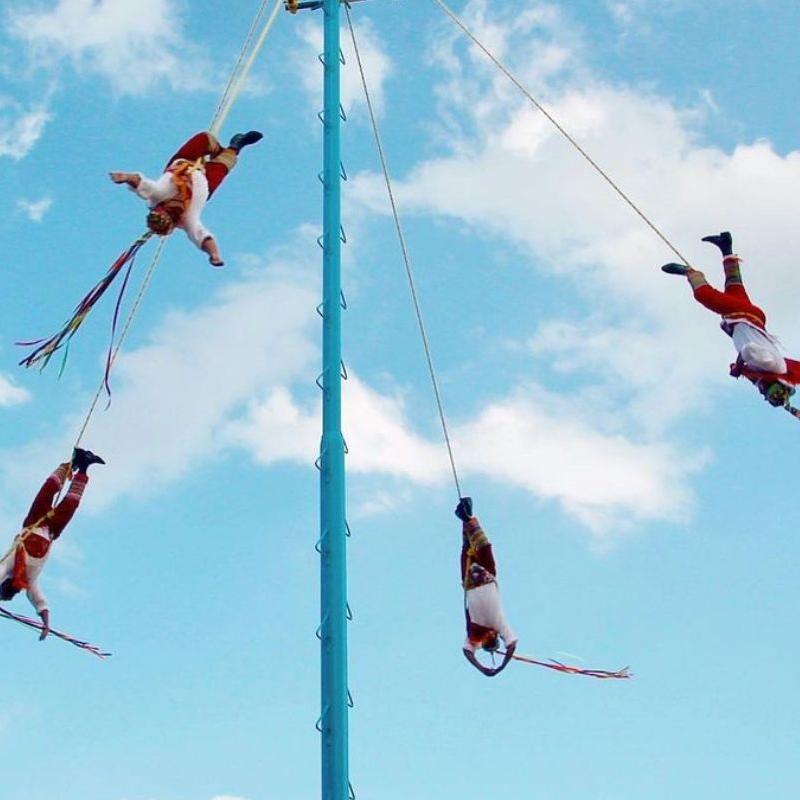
(35, 209)
(610, 482)
(174, 395)
(135, 46)
(529, 439)
(20, 130)
(378, 434)
(10, 393)
(377, 65)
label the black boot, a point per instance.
(464, 509)
(675, 269)
(724, 241)
(82, 459)
(240, 140)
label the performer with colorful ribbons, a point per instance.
(486, 622)
(176, 200)
(192, 175)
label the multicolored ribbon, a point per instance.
(622, 674)
(47, 347)
(36, 625)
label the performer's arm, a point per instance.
(154, 191)
(45, 615)
(509, 654)
(39, 602)
(43, 501)
(470, 656)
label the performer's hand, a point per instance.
(45, 615)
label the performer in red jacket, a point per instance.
(177, 198)
(21, 566)
(760, 359)
(486, 623)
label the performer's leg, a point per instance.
(218, 168)
(485, 557)
(43, 501)
(65, 510)
(734, 285)
(199, 146)
(733, 299)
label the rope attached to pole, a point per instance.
(406, 258)
(507, 72)
(239, 75)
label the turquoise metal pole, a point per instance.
(333, 569)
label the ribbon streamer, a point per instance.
(36, 625)
(47, 347)
(603, 674)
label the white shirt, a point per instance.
(155, 192)
(33, 568)
(757, 348)
(484, 607)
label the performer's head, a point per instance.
(776, 393)
(162, 219)
(491, 641)
(7, 589)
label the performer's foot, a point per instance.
(216, 261)
(676, 269)
(83, 459)
(240, 140)
(724, 241)
(464, 509)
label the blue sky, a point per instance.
(640, 501)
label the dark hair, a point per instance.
(7, 590)
(491, 643)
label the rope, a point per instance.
(32, 623)
(499, 64)
(404, 250)
(213, 127)
(236, 81)
(148, 276)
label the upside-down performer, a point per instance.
(760, 359)
(486, 623)
(192, 175)
(176, 200)
(21, 566)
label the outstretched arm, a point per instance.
(470, 656)
(45, 615)
(39, 602)
(507, 656)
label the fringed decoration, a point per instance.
(47, 347)
(36, 625)
(622, 674)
